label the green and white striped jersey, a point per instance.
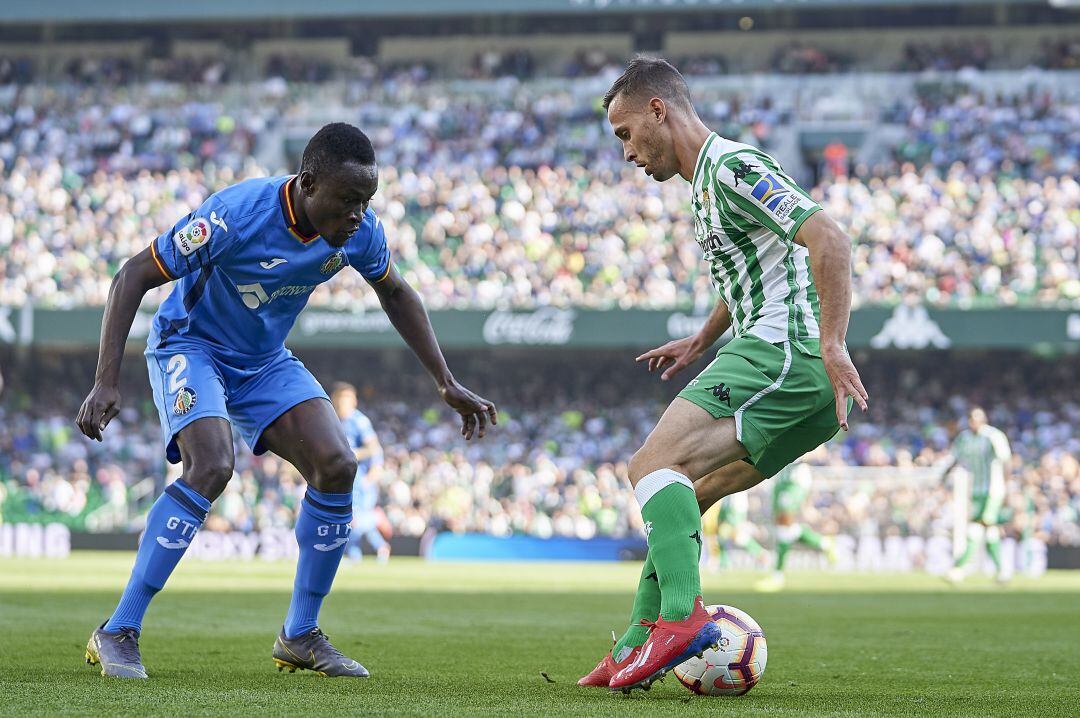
(746, 214)
(984, 455)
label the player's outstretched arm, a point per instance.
(830, 263)
(406, 312)
(138, 276)
(681, 353)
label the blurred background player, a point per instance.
(369, 462)
(790, 490)
(726, 526)
(983, 452)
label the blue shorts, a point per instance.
(190, 382)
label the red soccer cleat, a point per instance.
(669, 644)
(600, 676)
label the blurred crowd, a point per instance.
(517, 196)
(510, 193)
(802, 57)
(556, 464)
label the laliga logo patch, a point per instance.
(194, 235)
(333, 263)
(185, 401)
(705, 202)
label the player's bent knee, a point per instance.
(729, 479)
(335, 473)
(209, 479)
(645, 462)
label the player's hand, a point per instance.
(475, 411)
(675, 355)
(845, 381)
(98, 410)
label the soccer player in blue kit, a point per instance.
(369, 460)
(245, 263)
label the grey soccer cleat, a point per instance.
(117, 653)
(313, 651)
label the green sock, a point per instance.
(810, 538)
(966, 556)
(646, 605)
(781, 554)
(673, 527)
(993, 547)
(724, 555)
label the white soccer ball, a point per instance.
(734, 668)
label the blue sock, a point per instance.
(170, 528)
(322, 532)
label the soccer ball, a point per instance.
(735, 667)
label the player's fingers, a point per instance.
(110, 414)
(856, 392)
(481, 420)
(653, 353)
(493, 413)
(840, 395)
(89, 424)
(649, 354)
(79, 419)
(860, 391)
(468, 426)
(675, 368)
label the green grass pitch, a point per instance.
(472, 639)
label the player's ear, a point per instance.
(307, 181)
(658, 109)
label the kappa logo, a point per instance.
(331, 546)
(648, 529)
(721, 392)
(910, 328)
(273, 263)
(219, 221)
(741, 170)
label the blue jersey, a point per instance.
(244, 270)
(357, 430)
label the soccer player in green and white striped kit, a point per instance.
(983, 451)
(791, 488)
(780, 388)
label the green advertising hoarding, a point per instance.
(900, 327)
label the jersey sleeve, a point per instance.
(1000, 442)
(372, 260)
(364, 429)
(753, 185)
(196, 241)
